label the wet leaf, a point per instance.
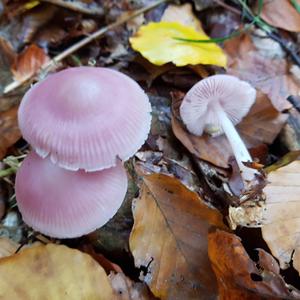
(169, 237)
(261, 125)
(155, 40)
(281, 14)
(281, 229)
(9, 130)
(269, 75)
(29, 62)
(52, 272)
(239, 277)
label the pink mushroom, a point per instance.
(85, 118)
(216, 104)
(66, 204)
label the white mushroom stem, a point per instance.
(238, 147)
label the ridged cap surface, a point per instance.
(66, 204)
(85, 118)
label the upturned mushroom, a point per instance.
(215, 105)
(85, 118)
(66, 204)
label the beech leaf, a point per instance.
(53, 272)
(169, 237)
(155, 40)
(281, 229)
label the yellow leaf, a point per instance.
(53, 272)
(155, 41)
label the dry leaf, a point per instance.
(182, 14)
(269, 75)
(281, 229)
(261, 125)
(125, 289)
(29, 62)
(155, 40)
(9, 131)
(53, 272)
(7, 247)
(239, 277)
(281, 14)
(169, 237)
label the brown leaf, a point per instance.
(29, 62)
(52, 272)
(261, 125)
(238, 277)
(281, 229)
(125, 289)
(7, 247)
(9, 130)
(281, 14)
(269, 75)
(169, 237)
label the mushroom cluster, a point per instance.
(82, 123)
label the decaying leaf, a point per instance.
(281, 229)
(9, 130)
(155, 40)
(281, 14)
(169, 237)
(261, 125)
(241, 278)
(269, 75)
(29, 62)
(52, 272)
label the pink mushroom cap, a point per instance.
(85, 118)
(66, 204)
(198, 108)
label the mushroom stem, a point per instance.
(239, 149)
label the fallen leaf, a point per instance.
(125, 289)
(182, 14)
(169, 238)
(29, 62)
(269, 75)
(52, 272)
(262, 125)
(281, 14)
(9, 130)
(155, 40)
(281, 223)
(7, 247)
(239, 277)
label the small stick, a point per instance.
(12, 86)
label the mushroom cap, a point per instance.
(85, 118)
(198, 107)
(66, 204)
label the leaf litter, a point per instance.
(184, 190)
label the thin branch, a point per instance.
(7, 172)
(12, 86)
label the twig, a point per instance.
(12, 86)
(79, 6)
